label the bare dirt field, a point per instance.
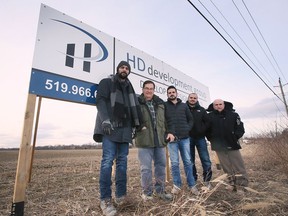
(65, 182)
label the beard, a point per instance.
(172, 97)
(123, 75)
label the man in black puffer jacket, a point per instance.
(224, 133)
(179, 121)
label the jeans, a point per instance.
(146, 156)
(201, 146)
(182, 145)
(110, 151)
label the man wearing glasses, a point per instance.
(151, 141)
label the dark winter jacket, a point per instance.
(150, 136)
(225, 128)
(201, 121)
(103, 104)
(179, 118)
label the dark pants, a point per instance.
(233, 164)
(201, 146)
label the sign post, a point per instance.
(24, 158)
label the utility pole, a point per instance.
(283, 95)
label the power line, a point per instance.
(234, 50)
(236, 33)
(283, 95)
(264, 41)
(280, 111)
(242, 42)
(254, 35)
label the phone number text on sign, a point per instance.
(64, 88)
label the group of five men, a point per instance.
(180, 126)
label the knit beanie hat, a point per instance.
(123, 63)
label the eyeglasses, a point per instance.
(193, 97)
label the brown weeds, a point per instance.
(66, 182)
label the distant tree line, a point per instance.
(65, 147)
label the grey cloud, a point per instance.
(266, 108)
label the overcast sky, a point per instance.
(171, 31)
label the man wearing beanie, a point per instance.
(118, 113)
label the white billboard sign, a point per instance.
(71, 58)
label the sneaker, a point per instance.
(175, 190)
(120, 200)
(107, 208)
(146, 197)
(208, 185)
(194, 190)
(165, 196)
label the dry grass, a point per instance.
(274, 151)
(65, 182)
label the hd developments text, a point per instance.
(165, 76)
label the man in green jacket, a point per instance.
(151, 139)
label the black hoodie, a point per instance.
(201, 121)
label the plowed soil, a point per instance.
(66, 182)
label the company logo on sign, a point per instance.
(86, 58)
